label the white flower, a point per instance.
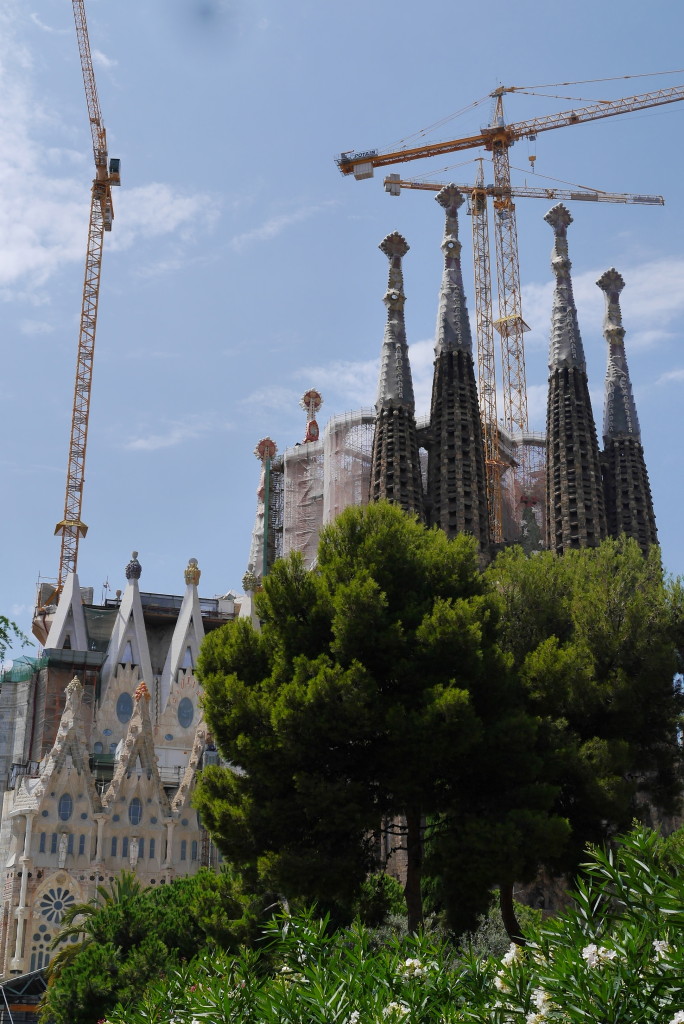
(354, 1017)
(534, 1018)
(395, 1010)
(596, 955)
(500, 984)
(541, 1000)
(590, 954)
(661, 947)
(678, 1017)
(514, 953)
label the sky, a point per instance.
(243, 268)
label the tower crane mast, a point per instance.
(71, 527)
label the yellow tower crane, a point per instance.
(71, 528)
(497, 139)
(486, 371)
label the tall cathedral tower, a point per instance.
(629, 507)
(457, 488)
(395, 472)
(574, 490)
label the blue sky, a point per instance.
(244, 269)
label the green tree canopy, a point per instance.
(130, 935)
(594, 636)
(375, 691)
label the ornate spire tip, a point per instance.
(394, 245)
(611, 281)
(450, 196)
(559, 217)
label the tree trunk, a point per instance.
(414, 871)
(508, 913)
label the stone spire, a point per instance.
(574, 492)
(395, 474)
(566, 347)
(629, 507)
(457, 489)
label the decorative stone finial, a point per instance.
(74, 691)
(394, 245)
(134, 568)
(142, 693)
(560, 218)
(250, 581)
(193, 572)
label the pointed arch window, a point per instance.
(184, 849)
(135, 810)
(127, 658)
(124, 708)
(186, 713)
(65, 807)
(124, 846)
(187, 659)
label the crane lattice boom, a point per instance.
(394, 183)
(361, 164)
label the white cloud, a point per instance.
(48, 28)
(276, 225)
(355, 383)
(175, 432)
(156, 209)
(102, 60)
(43, 211)
(652, 300)
(33, 327)
(275, 398)
(671, 377)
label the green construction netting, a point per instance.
(22, 669)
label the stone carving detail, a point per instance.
(141, 693)
(193, 572)
(134, 568)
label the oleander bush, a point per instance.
(615, 956)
